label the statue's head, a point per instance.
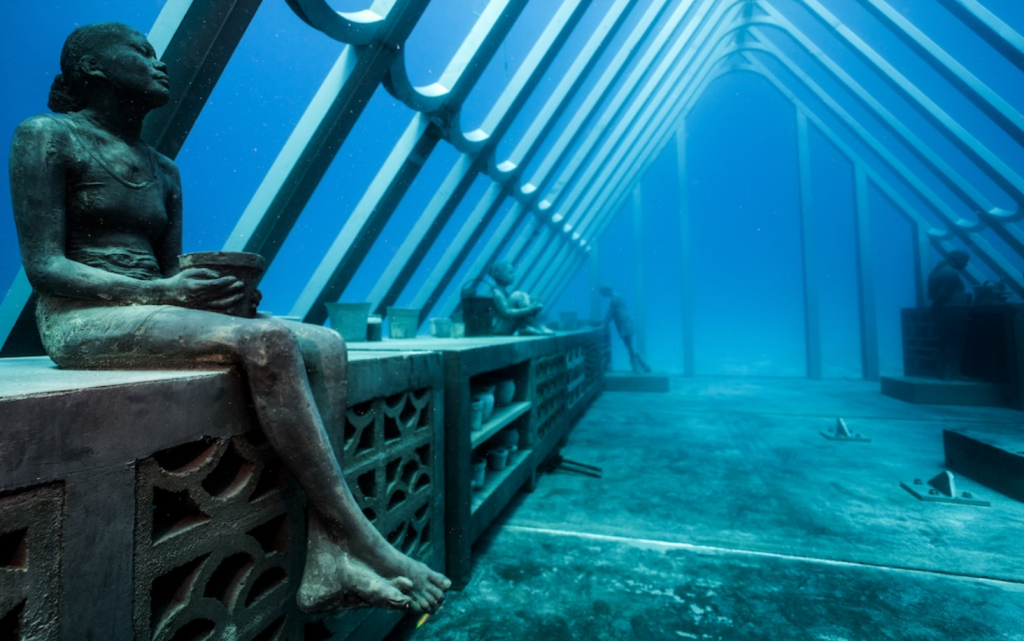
(108, 56)
(605, 290)
(502, 272)
(958, 259)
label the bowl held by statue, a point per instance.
(245, 266)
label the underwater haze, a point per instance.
(756, 239)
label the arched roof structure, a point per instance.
(554, 185)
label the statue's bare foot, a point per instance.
(334, 579)
(428, 586)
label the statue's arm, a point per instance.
(501, 304)
(39, 173)
(168, 245)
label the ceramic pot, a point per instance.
(508, 437)
(504, 392)
(403, 322)
(497, 459)
(476, 414)
(349, 320)
(374, 327)
(478, 472)
(245, 266)
(441, 327)
(486, 394)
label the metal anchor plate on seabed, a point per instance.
(843, 433)
(942, 489)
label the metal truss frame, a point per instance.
(557, 204)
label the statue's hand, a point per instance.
(257, 296)
(202, 289)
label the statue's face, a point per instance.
(130, 64)
(504, 273)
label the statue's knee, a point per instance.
(269, 342)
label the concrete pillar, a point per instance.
(866, 280)
(685, 254)
(812, 318)
(640, 295)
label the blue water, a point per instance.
(741, 149)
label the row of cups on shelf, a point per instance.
(484, 398)
(496, 458)
(355, 323)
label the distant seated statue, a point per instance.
(950, 310)
(99, 219)
(624, 326)
(514, 312)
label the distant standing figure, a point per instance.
(624, 326)
(950, 310)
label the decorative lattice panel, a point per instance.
(31, 527)
(922, 351)
(549, 392)
(220, 530)
(388, 462)
(576, 373)
(597, 357)
(218, 525)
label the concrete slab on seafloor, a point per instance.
(932, 391)
(633, 382)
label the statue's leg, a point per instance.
(325, 358)
(627, 340)
(268, 350)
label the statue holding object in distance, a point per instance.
(514, 312)
(99, 219)
(624, 326)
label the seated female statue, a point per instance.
(99, 219)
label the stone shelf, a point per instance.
(498, 488)
(502, 417)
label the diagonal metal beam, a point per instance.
(310, 149)
(977, 244)
(364, 226)
(627, 107)
(195, 38)
(604, 84)
(988, 101)
(351, 27)
(465, 67)
(505, 172)
(367, 220)
(983, 208)
(460, 178)
(965, 230)
(494, 246)
(990, 163)
(602, 87)
(461, 247)
(992, 30)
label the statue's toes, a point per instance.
(439, 580)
